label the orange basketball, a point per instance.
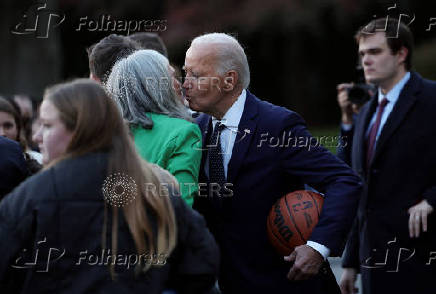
(292, 219)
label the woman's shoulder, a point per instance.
(174, 127)
(173, 123)
(67, 170)
(29, 194)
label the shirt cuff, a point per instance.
(324, 251)
(346, 127)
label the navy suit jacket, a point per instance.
(13, 167)
(270, 158)
(402, 173)
(343, 151)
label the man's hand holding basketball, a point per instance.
(306, 263)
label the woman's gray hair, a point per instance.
(231, 55)
(141, 83)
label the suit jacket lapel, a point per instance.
(360, 129)
(405, 102)
(246, 131)
(204, 121)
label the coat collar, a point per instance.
(246, 130)
(404, 104)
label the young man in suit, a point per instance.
(393, 236)
(247, 170)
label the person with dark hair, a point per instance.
(27, 111)
(394, 233)
(13, 168)
(96, 199)
(11, 126)
(150, 41)
(238, 129)
(162, 127)
(104, 54)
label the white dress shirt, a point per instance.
(392, 96)
(228, 136)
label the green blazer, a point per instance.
(175, 145)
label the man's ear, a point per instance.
(230, 80)
(402, 54)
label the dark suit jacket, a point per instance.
(343, 151)
(401, 174)
(261, 171)
(13, 167)
(57, 216)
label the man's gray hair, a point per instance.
(230, 54)
(141, 83)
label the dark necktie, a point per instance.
(216, 166)
(373, 133)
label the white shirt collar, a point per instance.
(394, 93)
(233, 115)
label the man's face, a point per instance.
(203, 85)
(379, 64)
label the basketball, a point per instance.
(292, 219)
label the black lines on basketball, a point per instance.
(293, 220)
(316, 204)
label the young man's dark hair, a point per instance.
(104, 54)
(150, 41)
(397, 35)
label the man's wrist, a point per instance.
(323, 251)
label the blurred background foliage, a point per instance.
(298, 50)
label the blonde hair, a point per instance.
(93, 118)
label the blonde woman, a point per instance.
(98, 218)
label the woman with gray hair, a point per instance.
(164, 134)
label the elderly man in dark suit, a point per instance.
(13, 169)
(256, 152)
(393, 240)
